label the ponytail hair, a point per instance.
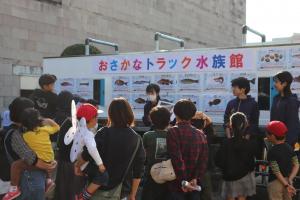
(239, 125)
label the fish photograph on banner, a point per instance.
(85, 94)
(217, 80)
(139, 83)
(84, 85)
(166, 81)
(121, 83)
(215, 104)
(170, 98)
(250, 76)
(272, 58)
(138, 101)
(296, 81)
(66, 84)
(189, 82)
(294, 57)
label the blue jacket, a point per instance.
(286, 110)
(247, 106)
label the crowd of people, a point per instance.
(43, 151)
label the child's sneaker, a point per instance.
(50, 186)
(79, 197)
(13, 193)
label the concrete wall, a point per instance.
(33, 29)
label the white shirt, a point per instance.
(84, 137)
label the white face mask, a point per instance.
(152, 97)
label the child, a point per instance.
(236, 158)
(243, 103)
(37, 137)
(87, 115)
(187, 148)
(283, 161)
(45, 99)
(156, 151)
(204, 123)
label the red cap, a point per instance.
(88, 111)
(277, 128)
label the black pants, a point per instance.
(154, 191)
(95, 176)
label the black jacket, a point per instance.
(236, 158)
(116, 146)
(286, 110)
(45, 102)
(247, 106)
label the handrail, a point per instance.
(246, 28)
(89, 40)
(158, 35)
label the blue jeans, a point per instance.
(33, 185)
(184, 196)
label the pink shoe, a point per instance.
(50, 186)
(12, 195)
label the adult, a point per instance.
(152, 92)
(243, 103)
(285, 106)
(65, 168)
(116, 144)
(32, 181)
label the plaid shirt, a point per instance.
(188, 150)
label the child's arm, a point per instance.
(54, 127)
(91, 146)
(294, 170)
(283, 180)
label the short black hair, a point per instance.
(31, 119)
(47, 79)
(185, 109)
(153, 87)
(160, 117)
(241, 83)
(17, 106)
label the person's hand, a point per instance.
(102, 168)
(247, 136)
(203, 116)
(291, 191)
(184, 189)
(131, 197)
(77, 171)
(49, 167)
(46, 121)
(187, 189)
(193, 182)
